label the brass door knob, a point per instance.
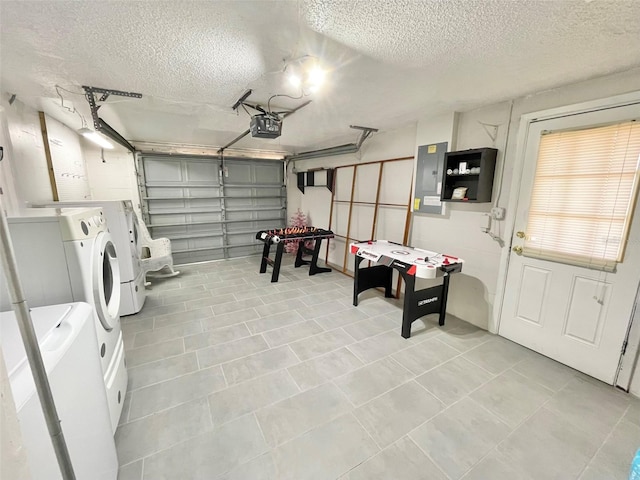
(517, 249)
(520, 234)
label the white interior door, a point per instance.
(575, 315)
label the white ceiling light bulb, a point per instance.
(305, 73)
(315, 77)
(95, 137)
(295, 80)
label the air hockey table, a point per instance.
(410, 262)
(280, 236)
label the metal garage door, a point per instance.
(211, 213)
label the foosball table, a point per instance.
(410, 263)
(281, 236)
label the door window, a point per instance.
(584, 193)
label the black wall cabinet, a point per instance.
(472, 169)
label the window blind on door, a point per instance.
(584, 194)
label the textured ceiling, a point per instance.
(392, 62)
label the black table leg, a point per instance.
(356, 279)
(313, 266)
(265, 256)
(299, 260)
(277, 262)
(445, 294)
(408, 307)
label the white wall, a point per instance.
(68, 162)
(26, 155)
(111, 173)
(441, 128)
(9, 194)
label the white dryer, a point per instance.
(66, 336)
(123, 226)
(67, 255)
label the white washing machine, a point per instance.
(66, 335)
(123, 226)
(67, 255)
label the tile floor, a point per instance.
(233, 377)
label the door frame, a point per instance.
(526, 119)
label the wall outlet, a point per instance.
(497, 213)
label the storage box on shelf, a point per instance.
(470, 169)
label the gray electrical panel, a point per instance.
(429, 171)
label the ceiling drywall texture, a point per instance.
(392, 62)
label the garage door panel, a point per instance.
(178, 245)
(185, 245)
(156, 206)
(249, 215)
(204, 228)
(239, 192)
(264, 191)
(268, 174)
(204, 217)
(202, 171)
(253, 226)
(237, 173)
(254, 202)
(180, 231)
(206, 242)
(162, 192)
(241, 239)
(201, 192)
(163, 171)
(167, 219)
(203, 202)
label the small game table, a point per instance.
(410, 263)
(280, 236)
